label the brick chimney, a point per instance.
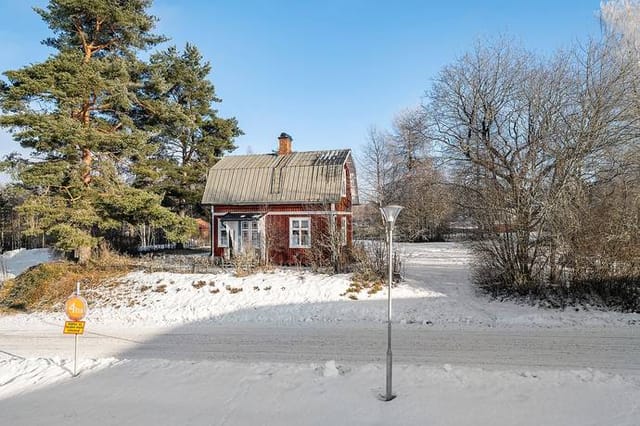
(284, 144)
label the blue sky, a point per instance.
(324, 71)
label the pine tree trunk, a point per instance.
(87, 159)
(83, 254)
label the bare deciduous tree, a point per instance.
(524, 134)
(622, 18)
(399, 170)
(409, 141)
(375, 165)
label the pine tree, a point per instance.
(76, 111)
(188, 134)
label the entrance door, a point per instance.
(232, 234)
(241, 233)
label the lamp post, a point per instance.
(389, 215)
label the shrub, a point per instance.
(247, 263)
(607, 292)
(45, 285)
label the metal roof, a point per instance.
(298, 177)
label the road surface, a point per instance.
(607, 349)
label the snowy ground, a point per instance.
(289, 347)
(435, 291)
(14, 262)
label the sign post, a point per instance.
(76, 308)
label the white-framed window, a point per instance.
(250, 234)
(223, 234)
(299, 232)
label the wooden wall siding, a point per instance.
(352, 181)
(277, 236)
(346, 202)
(277, 230)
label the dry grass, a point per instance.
(45, 285)
(357, 286)
(233, 290)
(198, 284)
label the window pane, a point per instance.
(305, 239)
(224, 238)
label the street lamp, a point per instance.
(389, 215)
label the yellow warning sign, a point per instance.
(75, 307)
(74, 327)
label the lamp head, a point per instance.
(390, 213)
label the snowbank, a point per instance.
(159, 392)
(19, 375)
(281, 296)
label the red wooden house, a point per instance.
(283, 206)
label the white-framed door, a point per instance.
(240, 233)
(232, 235)
(243, 236)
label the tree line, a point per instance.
(538, 155)
(118, 145)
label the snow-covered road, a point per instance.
(614, 349)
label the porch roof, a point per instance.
(233, 217)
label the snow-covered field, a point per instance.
(435, 291)
(158, 346)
